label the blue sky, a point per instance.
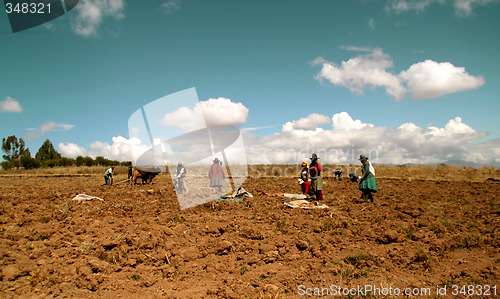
(407, 81)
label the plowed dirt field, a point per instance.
(418, 235)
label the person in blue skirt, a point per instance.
(367, 184)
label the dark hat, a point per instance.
(363, 157)
(216, 160)
(314, 157)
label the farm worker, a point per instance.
(338, 174)
(216, 175)
(304, 181)
(315, 176)
(180, 174)
(130, 172)
(367, 184)
(353, 177)
(108, 175)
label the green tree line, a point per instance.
(17, 155)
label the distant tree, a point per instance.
(14, 150)
(47, 152)
(79, 161)
(6, 165)
(126, 163)
(88, 161)
(53, 162)
(66, 161)
(28, 162)
(100, 161)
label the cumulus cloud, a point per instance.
(485, 151)
(423, 80)
(122, 149)
(361, 72)
(10, 105)
(213, 112)
(348, 138)
(462, 7)
(71, 150)
(307, 123)
(430, 79)
(46, 128)
(433, 144)
(343, 121)
(91, 13)
(170, 7)
(341, 144)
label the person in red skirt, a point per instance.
(304, 181)
(216, 176)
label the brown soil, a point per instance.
(419, 234)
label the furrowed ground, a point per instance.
(419, 234)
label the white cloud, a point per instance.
(170, 6)
(423, 80)
(430, 79)
(433, 144)
(46, 128)
(343, 121)
(342, 144)
(400, 6)
(255, 128)
(71, 150)
(485, 151)
(371, 23)
(222, 111)
(185, 118)
(91, 13)
(308, 123)
(122, 149)
(354, 49)
(358, 73)
(465, 7)
(349, 138)
(214, 112)
(10, 105)
(462, 7)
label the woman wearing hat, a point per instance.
(304, 180)
(180, 174)
(367, 184)
(216, 175)
(315, 176)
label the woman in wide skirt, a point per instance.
(367, 184)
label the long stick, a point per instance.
(228, 171)
(122, 182)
